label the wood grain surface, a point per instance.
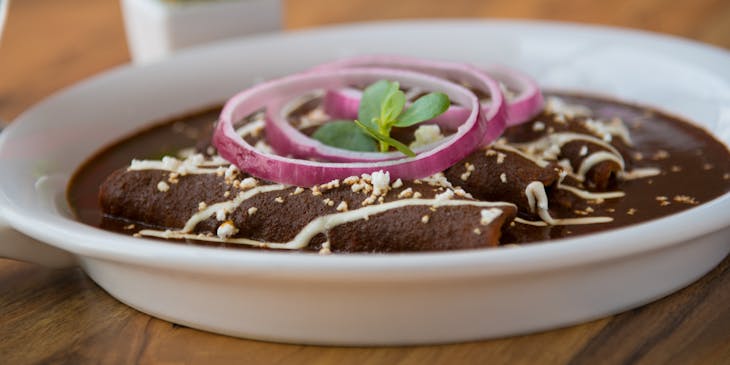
(62, 317)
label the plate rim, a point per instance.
(80, 238)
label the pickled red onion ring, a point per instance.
(528, 102)
(288, 141)
(302, 172)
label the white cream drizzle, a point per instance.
(538, 202)
(227, 206)
(188, 166)
(589, 195)
(531, 223)
(565, 221)
(323, 223)
(595, 158)
(536, 160)
(563, 138)
(639, 173)
(551, 146)
(195, 164)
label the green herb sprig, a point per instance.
(382, 107)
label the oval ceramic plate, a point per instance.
(374, 299)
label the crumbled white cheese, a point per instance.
(558, 106)
(163, 186)
(448, 194)
(263, 147)
(468, 169)
(398, 183)
(425, 135)
(231, 171)
(381, 182)
(607, 130)
(326, 249)
(330, 185)
(226, 230)
(252, 210)
(248, 183)
(314, 118)
(438, 179)
(406, 193)
(462, 193)
(351, 180)
(509, 95)
(342, 207)
(500, 157)
(369, 200)
(489, 215)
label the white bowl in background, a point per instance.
(362, 299)
(157, 28)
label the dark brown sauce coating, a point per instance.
(695, 169)
(163, 138)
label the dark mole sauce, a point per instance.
(695, 169)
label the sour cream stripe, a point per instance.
(326, 222)
(228, 206)
(538, 201)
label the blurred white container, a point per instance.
(3, 14)
(157, 28)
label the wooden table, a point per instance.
(63, 317)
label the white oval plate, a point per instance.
(374, 299)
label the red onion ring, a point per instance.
(288, 141)
(307, 173)
(523, 107)
(529, 100)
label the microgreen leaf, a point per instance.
(381, 109)
(372, 101)
(386, 139)
(345, 134)
(392, 107)
(426, 107)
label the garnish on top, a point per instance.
(382, 107)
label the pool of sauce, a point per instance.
(695, 169)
